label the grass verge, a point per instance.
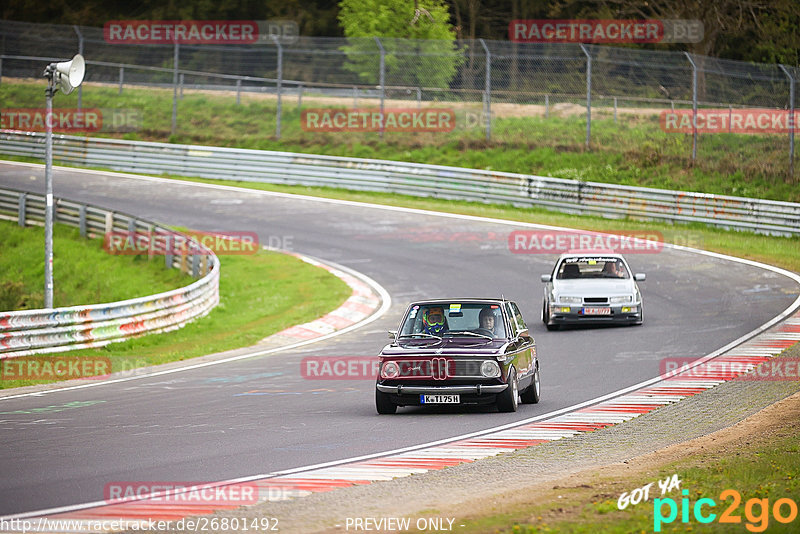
(633, 150)
(259, 295)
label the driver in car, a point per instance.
(433, 321)
(486, 320)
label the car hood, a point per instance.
(602, 287)
(448, 347)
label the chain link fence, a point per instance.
(489, 79)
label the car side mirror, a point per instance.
(547, 278)
(640, 277)
(524, 334)
(392, 334)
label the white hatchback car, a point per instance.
(591, 288)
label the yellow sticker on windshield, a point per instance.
(592, 262)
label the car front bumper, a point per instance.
(469, 394)
(629, 313)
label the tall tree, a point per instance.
(416, 34)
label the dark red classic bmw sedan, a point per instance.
(459, 351)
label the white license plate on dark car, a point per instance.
(440, 399)
(597, 311)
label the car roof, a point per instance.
(468, 300)
(589, 253)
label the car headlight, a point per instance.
(390, 370)
(490, 369)
(620, 300)
(570, 300)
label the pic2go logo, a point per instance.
(756, 511)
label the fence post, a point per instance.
(23, 197)
(80, 51)
(121, 78)
(694, 106)
(1, 70)
(300, 96)
(238, 92)
(181, 84)
(792, 122)
(546, 106)
(588, 95)
(355, 96)
(278, 86)
(175, 56)
(419, 98)
(615, 110)
(382, 80)
(82, 219)
(488, 90)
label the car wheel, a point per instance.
(508, 400)
(383, 404)
(532, 394)
(641, 317)
(546, 317)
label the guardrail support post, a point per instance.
(694, 106)
(588, 95)
(195, 265)
(168, 260)
(82, 219)
(792, 124)
(23, 197)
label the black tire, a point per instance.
(546, 317)
(508, 400)
(383, 404)
(533, 393)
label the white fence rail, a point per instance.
(570, 196)
(41, 331)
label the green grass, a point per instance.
(634, 151)
(76, 264)
(259, 295)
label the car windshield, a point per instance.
(592, 267)
(452, 319)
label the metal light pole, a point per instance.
(65, 76)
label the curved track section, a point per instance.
(260, 415)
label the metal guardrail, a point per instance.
(570, 196)
(41, 331)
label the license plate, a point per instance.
(440, 399)
(597, 311)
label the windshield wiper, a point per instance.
(471, 334)
(420, 334)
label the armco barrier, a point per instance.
(41, 331)
(571, 196)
